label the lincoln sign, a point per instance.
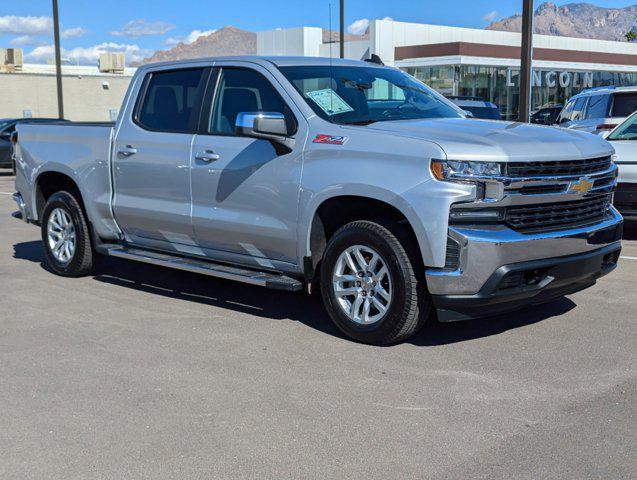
(552, 79)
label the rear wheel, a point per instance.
(66, 237)
(369, 284)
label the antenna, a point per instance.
(331, 61)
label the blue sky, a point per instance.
(138, 27)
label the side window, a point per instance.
(172, 100)
(242, 90)
(598, 106)
(566, 113)
(578, 109)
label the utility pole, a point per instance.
(58, 58)
(526, 60)
(342, 31)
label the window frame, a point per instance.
(197, 107)
(210, 98)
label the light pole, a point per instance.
(58, 59)
(342, 29)
(526, 60)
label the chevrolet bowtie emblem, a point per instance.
(582, 187)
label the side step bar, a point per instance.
(253, 277)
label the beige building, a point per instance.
(88, 93)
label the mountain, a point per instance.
(581, 20)
(223, 42)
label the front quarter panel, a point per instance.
(390, 168)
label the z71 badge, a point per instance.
(330, 139)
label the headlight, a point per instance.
(459, 170)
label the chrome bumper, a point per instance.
(483, 251)
(17, 198)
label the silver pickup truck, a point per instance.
(344, 176)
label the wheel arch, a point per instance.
(328, 212)
(52, 181)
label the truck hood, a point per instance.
(470, 139)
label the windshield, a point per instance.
(4, 124)
(626, 131)
(363, 95)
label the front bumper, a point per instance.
(502, 270)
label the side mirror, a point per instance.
(469, 114)
(265, 125)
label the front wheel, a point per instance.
(66, 237)
(369, 284)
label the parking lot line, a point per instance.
(628, 258)
(5, 193)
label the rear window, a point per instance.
(624, 104)
(172, 100)
(598, 106)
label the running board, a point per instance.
(245, 275)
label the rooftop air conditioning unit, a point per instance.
(112, 62)
(11, 59)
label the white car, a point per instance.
(624, 139)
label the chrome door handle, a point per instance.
(207, 156)
(126, 151)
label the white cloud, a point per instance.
(26, 25)
(358, 27)
(140, 27)
(73, 32)
(25, 40)
(490, 17)
(88, 55)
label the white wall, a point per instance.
(302, 41)
(358, 50)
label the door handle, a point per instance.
(207, 156)
(126, 151)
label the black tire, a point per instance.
(82, 260)
(410, 305)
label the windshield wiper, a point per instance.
(360, 122)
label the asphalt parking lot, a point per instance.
(142, 372)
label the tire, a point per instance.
(61, 208)
(409, 302)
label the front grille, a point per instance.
(541, 189)
(569, 168)
(555, 216)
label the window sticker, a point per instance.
(329, 101)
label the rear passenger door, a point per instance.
(152, 159)
(244, 190)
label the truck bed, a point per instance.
(80, 150)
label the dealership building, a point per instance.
(471, 62)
